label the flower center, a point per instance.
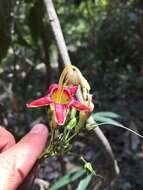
(60, 96)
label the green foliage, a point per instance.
(99, 116)
(84, 183)
(104, 118)
(108, 118)
(67, 179)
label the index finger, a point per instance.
(6, 139)
(22, 156)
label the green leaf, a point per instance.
(117, 124)
(84, 183)
(67, 179)
(106, 117)
(105, 114)
(108, 121)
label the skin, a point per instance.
(17, 159)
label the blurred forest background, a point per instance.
(105, 40)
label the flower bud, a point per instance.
(72, 77)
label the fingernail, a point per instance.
(39, 128)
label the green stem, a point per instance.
(71, 137)
(50, 149)
(82, 158)
(67, 135)
(51, 144)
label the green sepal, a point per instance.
(91, 126)
(88, 167)
(72, 123)
(72, 113)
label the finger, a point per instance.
(24, 154)
(6, 139)
(28, 181)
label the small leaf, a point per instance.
(67, 179)
(102, 119)
(109, 121)
(115, 123)
(84, 183)
(105, 115)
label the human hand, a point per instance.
(16, 160)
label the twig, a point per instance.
(113, 169)
(56, 27)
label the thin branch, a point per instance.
(113, 169)
(56, 27)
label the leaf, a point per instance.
(108, 121)
(115, 123)
(67, 179)
(84, 183)
(106, 114)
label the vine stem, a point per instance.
(51, 145)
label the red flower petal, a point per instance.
(52, 88)
(73, 90)
(76, 104)
(60, 100)
(44, 101)
(60, 113)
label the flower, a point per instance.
(60, 99)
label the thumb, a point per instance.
(22, 157)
